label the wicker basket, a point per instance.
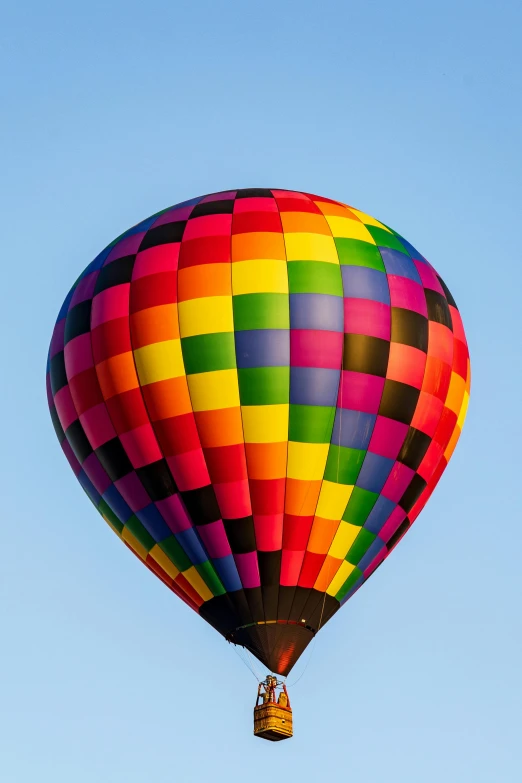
(273, 722)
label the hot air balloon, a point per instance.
(259, 391)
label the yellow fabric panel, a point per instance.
(463, 410)
(368, 220)
(211, 391)
(307, 461)
(311, 247)
(265, 423)
(349, 229)
(195, 579)
(264, 276)
(456, 391)
(209, 315)
(159, 361)
(162, 560)
(344, 538)
(111, 525)
(134, 543)
(340, 578)
(333, 500)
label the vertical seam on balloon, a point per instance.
(194, 526)
(376, 415)
(444, 403)
(373, 428)
(203, 452)
(424, 373)
(332, 428)
(104, 401)
(226, 593)
(241, 410)
(278, 631)
(155, 434)
(289, 396)
(424, 376)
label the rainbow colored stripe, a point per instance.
(259, 390)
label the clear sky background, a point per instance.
(410, 111)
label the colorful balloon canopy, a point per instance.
(259, 390)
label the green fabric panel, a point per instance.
(353, 252)
(359, 506)
(261, 311)
(209, 352)
(360, 546)
(311, 423)
(314, 277)
(140, 533)
(109, 514)
(343, 464)
(207, 572)
(385, 239)
(175, 553)
(264, 385)
(352, 579)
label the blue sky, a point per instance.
(409, 111)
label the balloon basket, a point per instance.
(273, 722)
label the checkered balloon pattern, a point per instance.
(259, 391)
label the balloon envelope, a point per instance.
(259, 390)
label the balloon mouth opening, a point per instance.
(277, 645)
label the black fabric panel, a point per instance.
(241, 534)
(319, 608)
(166, 234)
(115, 273)
(241, 607)
(282, 645)
(414, 448)
(301, 596)
(446, 290)
(220, 613)
(269, 568)
(78, 321)
(157, 480)
(202, 505)
(57, 374)
(398, 401)
(269, 572)
(413, 492)
(401, 530)
(114, 459)
(409, 328)
(78, 441)
(254, 193)
(438, 309)
(366, 354)
(270, 595)
(60, 434)
(284, 604)
(315, 600)
(254, 598)
(225, 207)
